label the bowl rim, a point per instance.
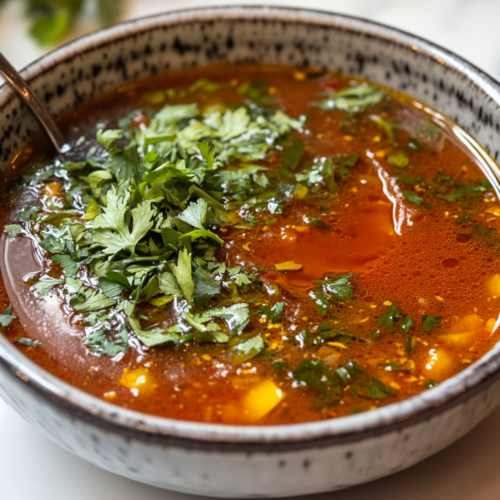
(466, 384)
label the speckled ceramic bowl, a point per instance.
(230, 461)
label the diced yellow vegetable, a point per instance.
(288, 266)
(139, 379)
(467, 323)
(493, 285)
(458, 339)
(260, 400)
(337, 344)
(161, 301)
(51, 189)
(301, 191)
(490, 325)
(439, 365)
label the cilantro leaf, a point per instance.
(273, 313)
(12, 230)
(110, 288)
(7, 317)
(106, 138)
(205, 286)
(195, 214)
(91, 300)
(27, 342)
(338, 287)
(400, 159)
(168, 284)
(237, 316)
(113, 233)
(100, 344)
(430, 322)
(27, 213)
(248, 349)
(318, 376)
(353, 99)
(405, 324)
(183, 273)
(45, 285)
(293, 154)
(68, 265)
(53, 244)
(387, 320)
(174, 113)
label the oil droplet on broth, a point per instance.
(354, 243)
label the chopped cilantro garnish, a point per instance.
(7, 317)
(273, 313)
(27, 342)
(12, 230)
(430, 322)
(293, 154)
(353, 99)
(400, 159)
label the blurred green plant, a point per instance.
(53, 19)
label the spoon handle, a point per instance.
(15, 80)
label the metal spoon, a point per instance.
(16, 81)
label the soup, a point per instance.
(248, 244)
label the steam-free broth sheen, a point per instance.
(250, 244)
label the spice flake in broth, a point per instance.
(250, 244)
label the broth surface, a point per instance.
(361, 247)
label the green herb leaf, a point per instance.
(318, 222)
(387, 320)
(405, 324)
(353, 99)
(27, 342)
(205, 286)
(7, 317)
(338, 287)
(430, 322)
(248, 349)
(27, 213)
(12, 230)
(400, 159)
(91, 300)
(293, 154)
(100, 344)
(195, 214)
(53, 244)
(45, 285)
(110, 288)
(106, 138)
(273, 313)
(183, 273)
(412, 197)
(237, 316)
(68, 265)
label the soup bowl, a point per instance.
(237, 461)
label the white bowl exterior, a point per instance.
(287, 36)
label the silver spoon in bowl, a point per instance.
(16, 81)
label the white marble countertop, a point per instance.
(33, 468)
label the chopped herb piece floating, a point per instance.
(430, 322)
(273, 313)
(7, 317)
(353, 99)
(400, 159)
(27, 342)
(293, 154)
(12, 230)
(413, 198)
